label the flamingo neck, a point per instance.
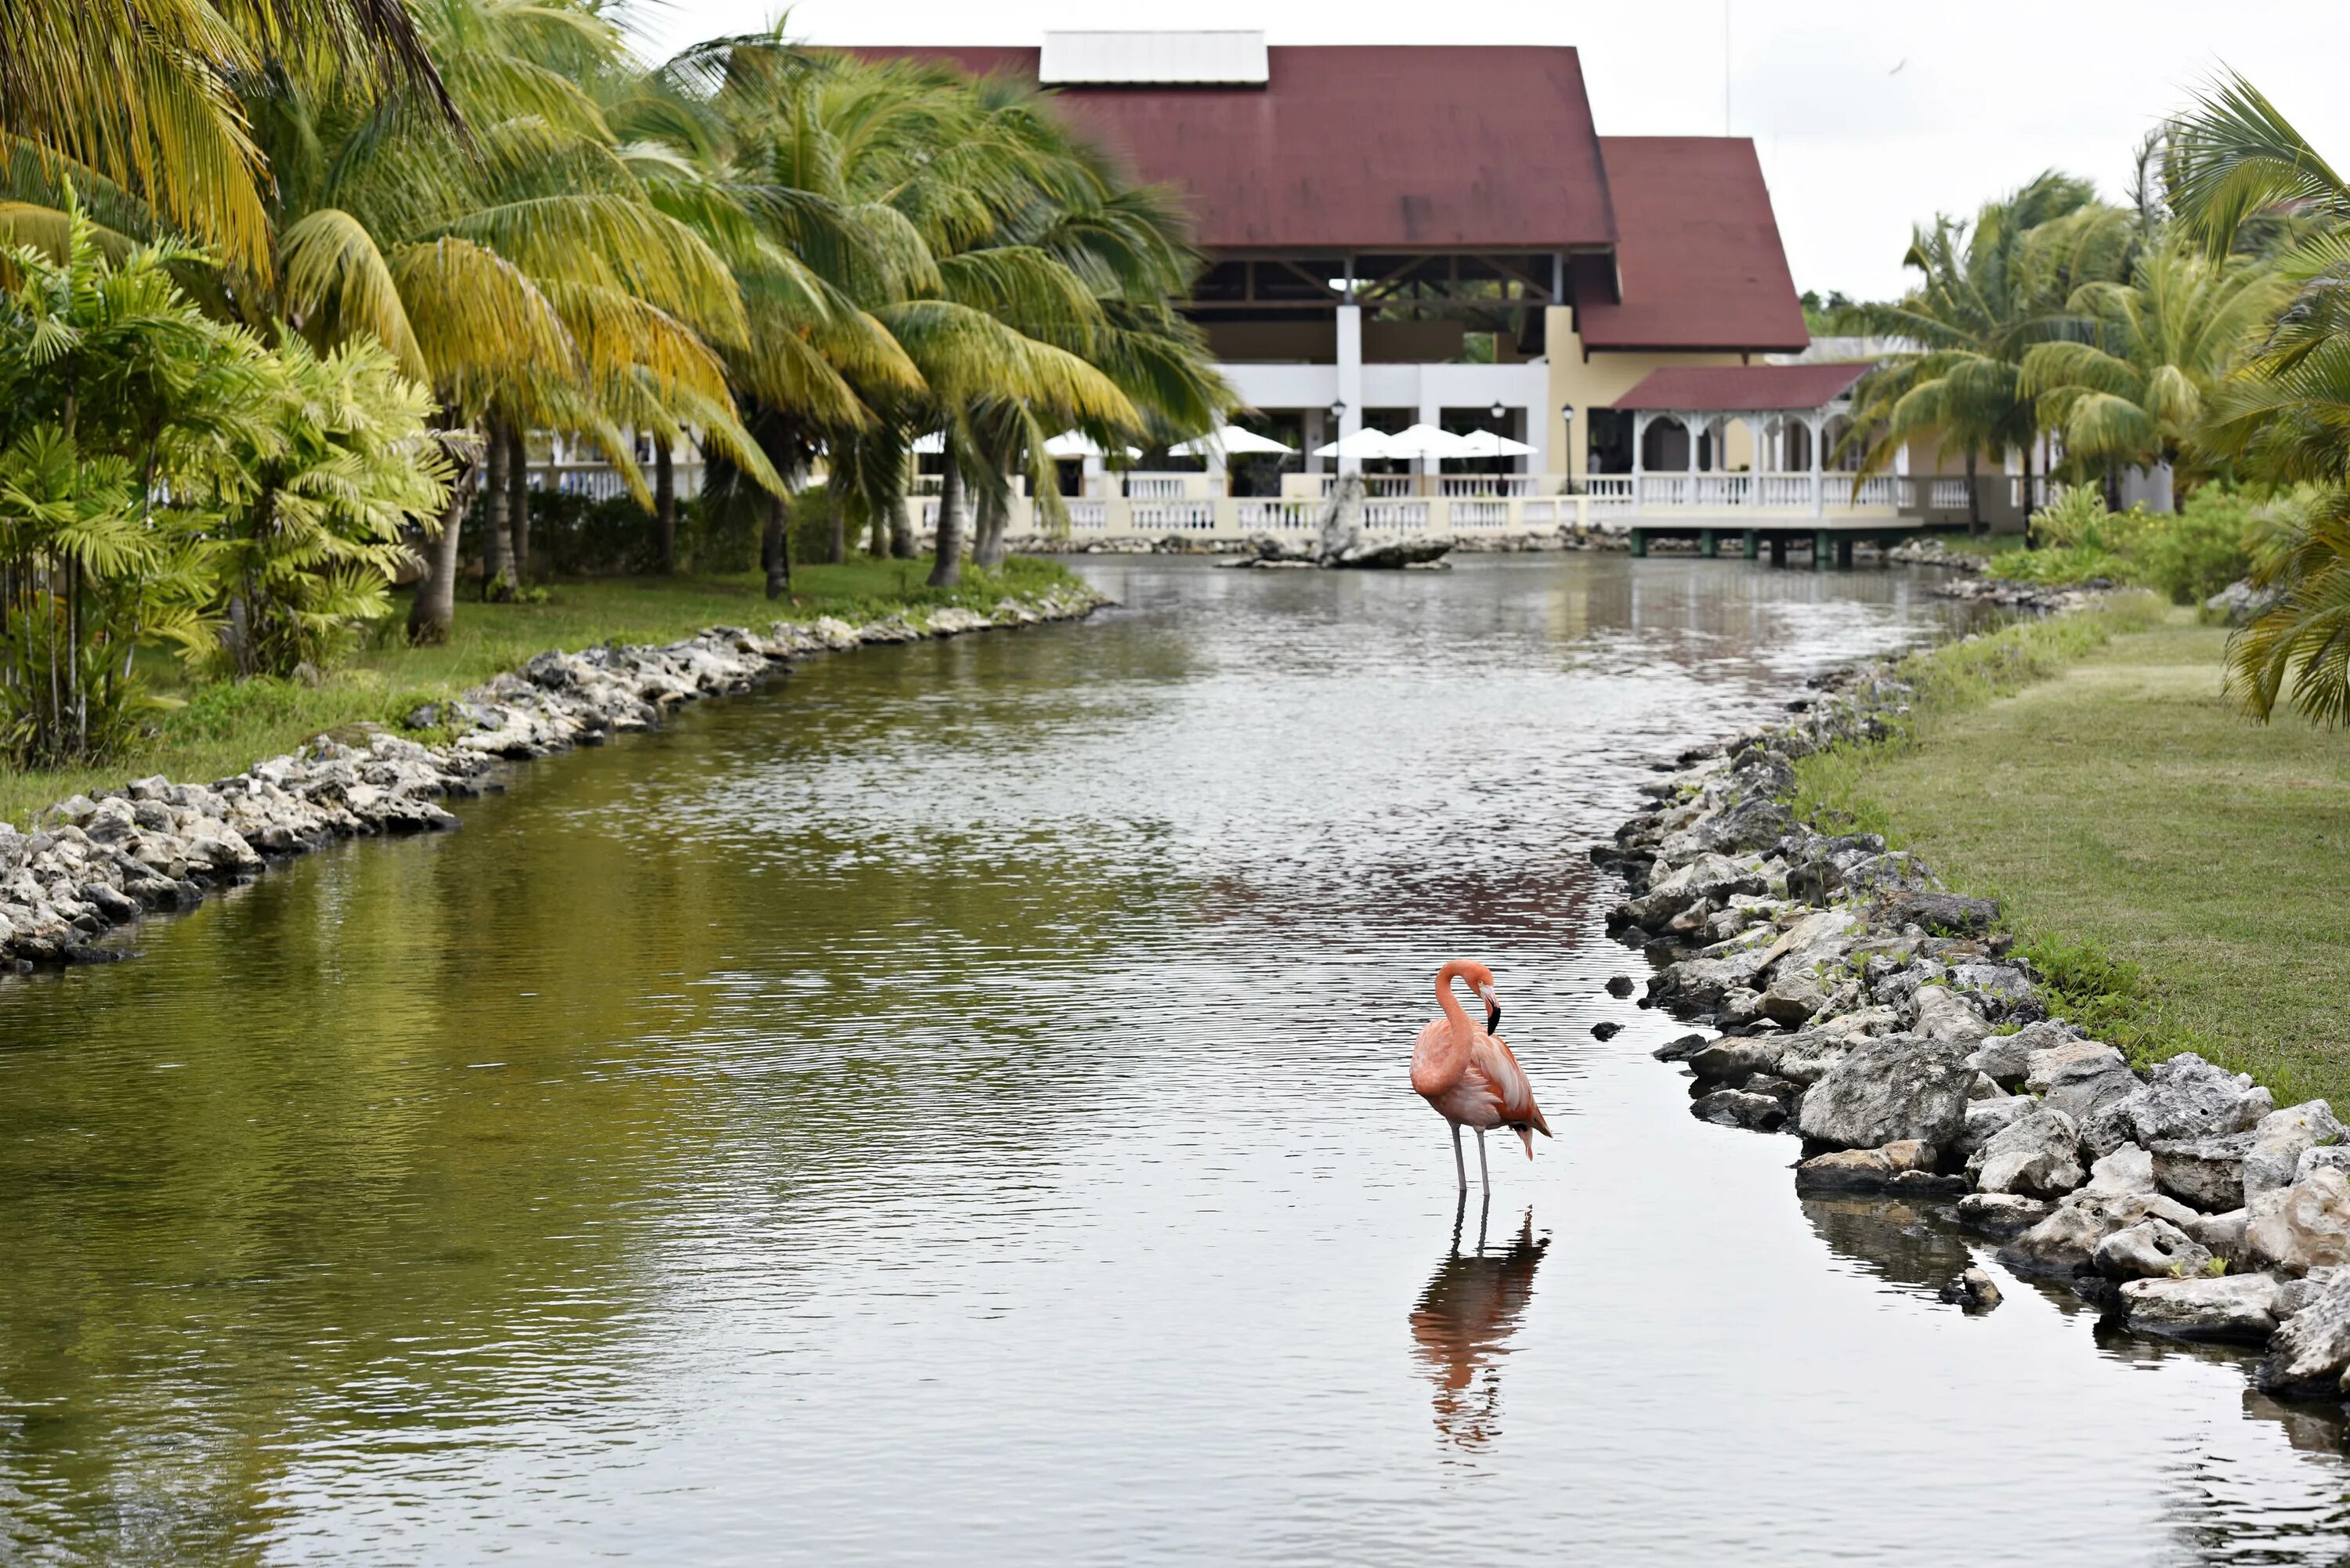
(1444, 998)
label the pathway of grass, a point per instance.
(2129, 816)
(226, 727)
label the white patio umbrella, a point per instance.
(931, 444)
(1077, 443)
(1426, 440)
(1364, 442)
(1490, 443)
(1233, 440)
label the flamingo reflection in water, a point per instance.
(1462, 1323)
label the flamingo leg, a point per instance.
(1483, 1174)
(1460, 1165)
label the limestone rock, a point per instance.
(2208, 1172)
(1974, 1289)
(1987, 1118)
(2086, 1087)
(2295, 1228)
(2281, 1139)
(1942, 1014)
(2065, 1240)
(2035, 1155)
(2308, 1354)
(1738, 1108)
(2226, 1307)
(1869, 1170)
(2000, 1215)
(2008, 1057)
(2151, 1248)
(2040, 1069)
(2187, 1098)
(2126, 1170)
(1735, 1059)
(1881, 1090)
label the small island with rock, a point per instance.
(1343, 542)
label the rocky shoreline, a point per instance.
(1853, 1001)
(95, 864)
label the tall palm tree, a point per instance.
(2285, 416)
(2132, 389)
(1988, 292)
(145, 97)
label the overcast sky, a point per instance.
(1869, 114)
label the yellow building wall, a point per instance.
(1599, 380)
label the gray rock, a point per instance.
(1870, 1170)
(2307, 1355)
(2228, 1307)
(1987, 1118)
(1895, 872)
(1997, 990)
(1737, 1108)
(2281, 1139)
(2126, 1170)
(2151, 1248)
(1983, 1086)
(2223, 1233)
(2090, 1089)
(2008, 1057)
(2000, 1215)
(1974, 1289)
(2065, 1242)
(1682, 1048)
(2035, 1154)
(1942, 1014)
(2187, 1098)
(2207, 1172)
(1708, 876)
(1944, 914)
(2042, 1067)
(2295, 1295)
(2295, 1228)
(2333, 1157)
(1735, 1059)
(1881, 1090)
(1806, 1058)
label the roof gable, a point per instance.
(1696, 250)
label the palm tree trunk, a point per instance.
(2027, 507)
(497, 582)
(518, 500)
(434, 611)
(665, 506)
(1974, 498)
(901, 527)
(836, 547)
(876, 533)
(994, 514)
(946, 570)
(775, 548)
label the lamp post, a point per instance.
(1566, 457)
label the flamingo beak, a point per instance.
(1492, 1008)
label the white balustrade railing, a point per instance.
(1609, 489)
(1544, 514)
(602, 481)
(1091, 516)
(1154, 486)
(926, 511)
(1666, 489)
(1473, 486)
(1178, 516)
(1949, 496)
(1785, 490)
(1396, 517)
(1480, 514)
(1878, 490)
(1289, 517)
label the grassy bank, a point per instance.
(224, 727)
(2177, 870)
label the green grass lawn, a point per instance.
(227, 727)
(2180, 869)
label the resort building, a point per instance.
(1403, 236)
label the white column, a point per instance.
(1537, 416)
(1818, 424)
(1431, 412)
(1639, 453)
(1094, 485)
(1350, 379)
(1317, 434)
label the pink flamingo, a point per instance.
(1468, 1073)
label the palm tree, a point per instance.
(2132, 389)
(1988, 292)
(2285, 416)
(144, 96)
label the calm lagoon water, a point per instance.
(951, 1107)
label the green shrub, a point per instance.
(2200, 549)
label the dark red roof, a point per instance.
(1359, 148)
(1741, 389)
(1696, 250)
